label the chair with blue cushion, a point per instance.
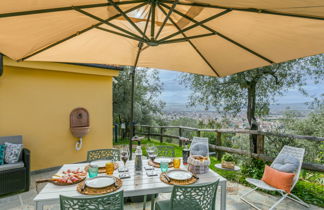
(112, 201)
(15, 177)
(198, 197)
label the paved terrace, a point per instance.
(25, 200)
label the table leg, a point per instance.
(144, 202)
(152, 202)
(39, 205)
(223, 196)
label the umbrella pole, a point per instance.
(132, 126)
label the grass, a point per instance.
(309, 192)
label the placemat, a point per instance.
(102, 169)
(177, 182)
(81, 188)
(157, 165)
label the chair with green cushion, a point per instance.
(198, 197)
(165, 151)
(103, 154)
(113, 201)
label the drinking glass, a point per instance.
(176, 162)
(124, 154)
(110, 167)
(93, 171)
(149, 148)
(152, 155)
(164, 165)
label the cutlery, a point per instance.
(167, 178)
(195, 176)
(83, 186)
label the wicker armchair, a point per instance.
(15, 177)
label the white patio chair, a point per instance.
(297, 153)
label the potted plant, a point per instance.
(228, 161)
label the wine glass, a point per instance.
(124, 154)
(152, 155)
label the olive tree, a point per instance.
(253, 91)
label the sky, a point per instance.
(174, 92)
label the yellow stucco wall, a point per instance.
(36, 103)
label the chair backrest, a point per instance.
(11, 139)
(295, 152)
(198, 197)
(112, 201)
(103, 154)
(165, 151)
(199, 146)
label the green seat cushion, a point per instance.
(163, 205)
(2, 153)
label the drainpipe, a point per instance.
(1, 64)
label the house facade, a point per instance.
(36, 99)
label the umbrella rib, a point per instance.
(60, 9)
(198, 23)
(79, 32)
(253, 10)
(223, 36)
(195, 48)
(120, 34)
(166, 18)
(186, 38)
(106, 22)
(127, 18)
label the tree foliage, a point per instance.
(230, 94)
(146, 102)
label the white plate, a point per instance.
(99, 163)
(100, 181)
(179, 174)
(159, 160)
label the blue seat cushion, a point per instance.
(286, 163)
(2, 153)
(6, 167)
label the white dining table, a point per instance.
(136, 185)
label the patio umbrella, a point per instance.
(207, 37)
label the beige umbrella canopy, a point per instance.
(208, 37)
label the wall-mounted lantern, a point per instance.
(79, 125)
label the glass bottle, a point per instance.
(138, 160)
(185, 154)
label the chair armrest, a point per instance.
(26, 158)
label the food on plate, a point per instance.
(200, 158)
(70, 176)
